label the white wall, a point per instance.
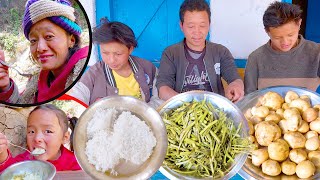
(238, 25)
(90, 8)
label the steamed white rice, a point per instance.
(102, 120)
(131, 139)
(135, 137)
(101, 151)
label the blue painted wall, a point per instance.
(102, 9)
(155, 23)
(313, 21)
(287, 1)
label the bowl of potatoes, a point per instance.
(284, 124)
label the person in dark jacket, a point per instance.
(195, 63)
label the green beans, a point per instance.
(203, 141)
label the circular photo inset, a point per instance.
(44, 48)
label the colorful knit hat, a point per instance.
(59, 12)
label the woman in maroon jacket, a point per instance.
(54, 38)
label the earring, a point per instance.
(32, 58)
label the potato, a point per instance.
(305, 98)
(266, 132)
(293, 118)
(283, 126)
(285, 106)
(280, 112)
(310, 114)
(314, 157)
(272, 112)
(273, 117)
(278, 150)
(253, 140)
(317, 106)
(271, 167)
(261, 111)
(272, 100)
(290, 112)
(310, 134)
(290, 96)
(288, 167)
(259, 156)
(305, 169)
(248, 114)
(259, 102)
(315, 125)
(300, 104)
(295, 139)
(297, 155)
(312, 143)
(255, 120)
(251, 129)
(304, 127)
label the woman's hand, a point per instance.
(4, 75)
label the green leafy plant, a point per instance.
(15, 21)
(8, 42)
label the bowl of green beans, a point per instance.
(207, 136)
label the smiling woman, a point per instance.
(55, 44)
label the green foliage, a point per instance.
(11, 13)
(66, 105)
(8, 42)
(81, 20)
(15, 20)
(10, 35)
